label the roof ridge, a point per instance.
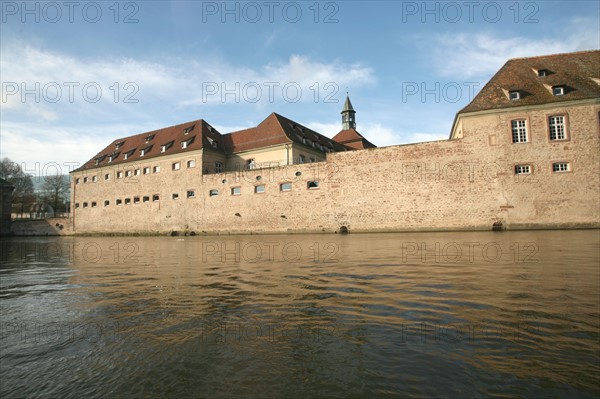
(554, 55)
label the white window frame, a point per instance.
(557, 127)
(523, 169)
(561, 167)
(519, 131)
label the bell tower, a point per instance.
(348, 115)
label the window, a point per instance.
(188, 142)
(311, 185)
(557, 127)
(119, 175)
(250, 164)
(519, 131)
(285, 187)
(165, 147)
(94, 179)
(259, 189)
(146, 198)
(156, 169)
(558, 90)
(301, 159)
(76, 205)
(542, 73)
(236, 191)
(119, 144)
(136, 200)
(191, 194)
(175, 196)
(561, 167)
(149, 138)
(145, 150)
(128, 173)
(94, 204)
(176, 166)
(85, 179)
(147, 170)
(522, 169)
(313, 159)
(119, 201)
(107, 176)
(155, 198)
(85, 204)
(77, 181)
(127, 201)
(213, 192)
(106, 202)
(128, 154)
(191, 163)
(188, 129)
(136, 172)
(218, 167)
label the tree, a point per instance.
(55, 190)
(23, 196)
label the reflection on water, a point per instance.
(381, 315)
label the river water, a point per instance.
(509, 314)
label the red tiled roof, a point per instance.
(277, 129)
(574, 71)
(274, 130)
(196, 133)
(353, 139)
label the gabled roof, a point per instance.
(274, 130)
(196, 134)
(578, 73)
(353, 139)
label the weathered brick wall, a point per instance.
(468, 183)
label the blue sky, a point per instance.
(77, 75)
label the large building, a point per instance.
(523, 154)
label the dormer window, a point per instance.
(188, 129)
(542, 73)
(113, 156)
(144, 151)
(100, 159)
(149, 138)
(128, 153)
(514, 95)
(165, 147)
(186, 143)
(119, 144)
(558, 90)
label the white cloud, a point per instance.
(378, 134)
(32, 125)
(480, 55)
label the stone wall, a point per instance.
(46, 227)
(461, 184)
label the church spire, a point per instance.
(348, 115)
